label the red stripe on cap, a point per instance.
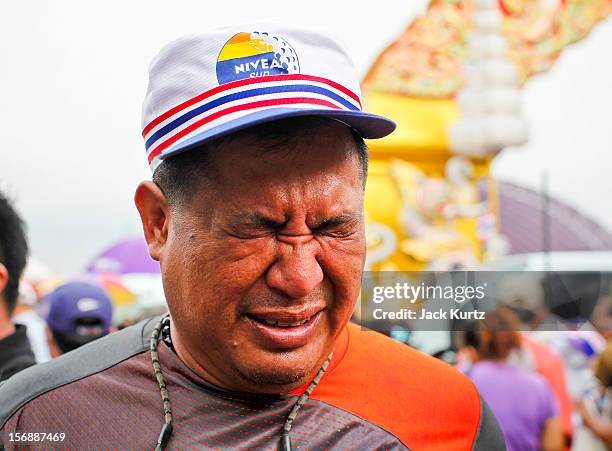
(245, 82)
(247, 106)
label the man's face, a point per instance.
(262, 269)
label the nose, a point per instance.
(296, 271)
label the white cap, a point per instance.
(205, 86)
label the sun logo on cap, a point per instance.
(257, 54)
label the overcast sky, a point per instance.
(73, 75)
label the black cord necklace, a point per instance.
(162, 330)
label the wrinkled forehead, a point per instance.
(323, 155)
(302, 199)
(292, 159)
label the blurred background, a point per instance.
(501, 159)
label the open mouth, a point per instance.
(283, 330)
(280, 323)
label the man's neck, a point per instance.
(6, 328)
(6, 325)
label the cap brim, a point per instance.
(369, 126)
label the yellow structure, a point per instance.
(422, 203)
(408, 190)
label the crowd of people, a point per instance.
(34, 328)
(548, 390)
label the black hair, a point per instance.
(180, 176)
(13, 250)
(70, 342)
(494, 337)
(470, 334)
(92, 330)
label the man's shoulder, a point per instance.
(374, 352)
(421, 400)
(81, 363)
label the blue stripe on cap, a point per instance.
(244, 95)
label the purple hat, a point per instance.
(73, 306)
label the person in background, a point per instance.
(600, 423)
(15, 351)
(522, 401)
(540, 357)
(25, 313)
(78, 313)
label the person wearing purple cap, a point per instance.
(78, 313)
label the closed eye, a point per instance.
(255, 226)
(339, 227)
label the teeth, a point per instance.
(281, 324)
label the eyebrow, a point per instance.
(259, 220)
(335, 221)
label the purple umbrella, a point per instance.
(125, 257)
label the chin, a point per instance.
(286, 371)
(265, 379)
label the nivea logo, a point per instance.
(256, 54)
(261, 64)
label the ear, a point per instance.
(154, 214)
(4, 277)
